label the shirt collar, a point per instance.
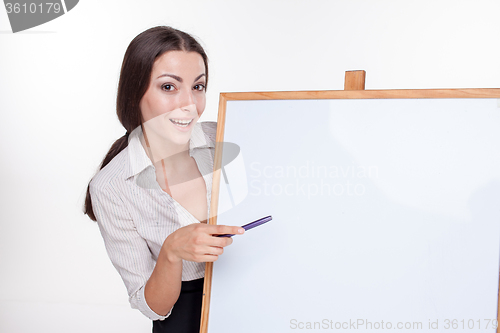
(139, 160)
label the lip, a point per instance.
(183, 129)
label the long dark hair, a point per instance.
(135, 76)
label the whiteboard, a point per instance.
(386, 215)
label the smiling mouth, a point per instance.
(181, 123)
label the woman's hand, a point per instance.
(196, 242)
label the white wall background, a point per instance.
(58, 88)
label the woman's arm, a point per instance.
(153, 288)
(194, 242)
(127, 250)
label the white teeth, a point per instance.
(181, 123)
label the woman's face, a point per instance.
(175, 98)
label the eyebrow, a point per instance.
(178, 78)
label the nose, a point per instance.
(187, 99)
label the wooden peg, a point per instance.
(354, 80)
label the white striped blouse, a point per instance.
(135, 215)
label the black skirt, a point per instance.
(186, 314)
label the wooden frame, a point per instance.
(353, 91)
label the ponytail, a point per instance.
(115, 149)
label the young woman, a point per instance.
(154, 185)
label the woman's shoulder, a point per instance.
(112, 174)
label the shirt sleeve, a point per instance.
(127, 250)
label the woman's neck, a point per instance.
(159, 149)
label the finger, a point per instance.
(226, 229)
(212, 253)
(209, 250)
(215, 250)
(220, 241)
(209, 258)
(205, 258)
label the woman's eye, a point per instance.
(199, 87)
(167, 87)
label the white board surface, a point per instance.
(386, 215)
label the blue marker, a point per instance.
(251, 225)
